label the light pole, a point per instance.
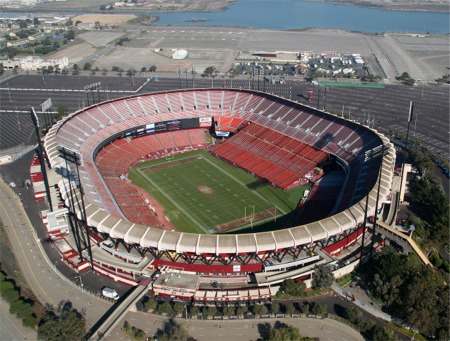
(9, 93)
(81, 281)
(415, 122)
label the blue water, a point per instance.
(299, 14)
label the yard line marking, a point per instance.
(200, 225)
(238, 181)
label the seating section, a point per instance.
(322, 199)
(270, 155)
(116, 158)
(299, 136)
(227, 123)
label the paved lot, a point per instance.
(388, 55)
(385, 109)
(102, 38)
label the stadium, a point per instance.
(347, 168)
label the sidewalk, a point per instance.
(361, 300)
(11, 328)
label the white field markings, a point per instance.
(243, 185)
(207, 214)
(199, 224)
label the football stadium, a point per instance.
(219, 183)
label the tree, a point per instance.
(70, 35)
(46, 41)
(102, 7)
(319, 309)
(36, 21)
(228, 310)
(87, 66)
(8, 291)
(259, 309)
(20, 308)
(172, 331)
(194, 310)
(322, 277)
(283, 332)
(143, 69)
(305, 308)
(275, 308)
(178, 308)
(241, 310)
(383, 334)
(63, 324)
(209, 311)
(150, 304)
(352, 314)
(293, 288)
(209, 70)
(152, 68)
(165, 308)
(404, 76)
(289, 308)
(61, 111)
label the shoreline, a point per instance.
(223, 8)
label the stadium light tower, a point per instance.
(74, 158)
(410, 117)
(383, 152)
(369, 156)
(40, 153)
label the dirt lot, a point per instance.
(152, 6)
(100, 38)
(75, 53)
(105, 19)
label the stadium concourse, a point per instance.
(281, 141)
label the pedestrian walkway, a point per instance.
(362, 300)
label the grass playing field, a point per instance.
(202, 194)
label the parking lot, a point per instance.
(384, 109)
(387, 56)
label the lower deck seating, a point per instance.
(281, 161)
(116, 158)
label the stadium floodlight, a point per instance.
(89, 88)
(40, 153)
(384, 150)
(75, 158)
(369, 156)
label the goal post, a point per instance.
(249, 214)
(169, 155)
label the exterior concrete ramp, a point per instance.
(117, 311)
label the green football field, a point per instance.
(202, 194)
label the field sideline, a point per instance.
(202, 194)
